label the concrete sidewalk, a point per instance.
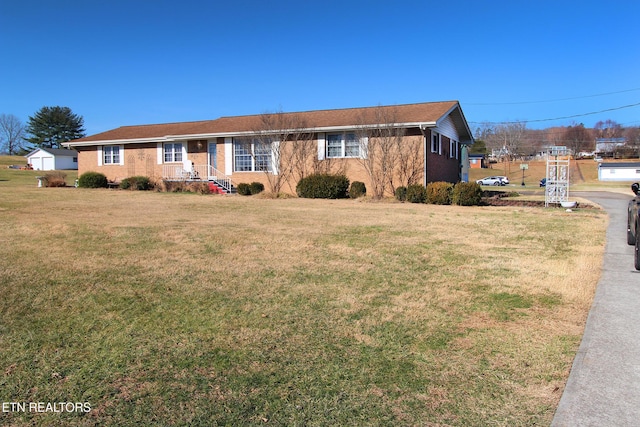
(604, 385)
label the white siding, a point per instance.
(619, 174)
(447, 128)
(45, 161)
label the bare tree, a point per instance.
(632, 134)
(578, 138)
(508, 140)
(608, 129)
(410, 161)
(387, 157)
(289, 144)
(12, 133)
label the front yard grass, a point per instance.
(183, 309)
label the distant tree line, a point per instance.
(514, 140)
(49, 127)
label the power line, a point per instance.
(551, 100)
(562, 118)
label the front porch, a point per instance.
(218, 182)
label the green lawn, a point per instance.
(185, 309)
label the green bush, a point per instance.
(323, 186)
(357, 189)
(136, 183)
(416, 193)
(439, 193)
(256, 188)
(466, 194)
(244, 189)
(401, 194)
(92, 180)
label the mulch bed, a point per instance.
(502, 198)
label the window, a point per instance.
(262, 153)
(436, 145)
(453, 149)
(111, 154)
(343, 145)
(172, 153)
(252, 156)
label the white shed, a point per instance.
(47, 159)
(623, 171)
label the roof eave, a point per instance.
(172, 138)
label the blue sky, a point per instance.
(138, 62)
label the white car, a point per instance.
(504, 179)
(492, 180)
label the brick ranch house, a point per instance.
(429, 141)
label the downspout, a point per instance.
(464, 162)
(426, 146)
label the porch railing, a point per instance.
(197, 172)
(220, 179)
(180, 173)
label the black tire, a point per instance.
(631, 239)
(496, 183)
(636, 255)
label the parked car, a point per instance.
(543, 182)
(505, 180)
(491, 180)
(633, 224)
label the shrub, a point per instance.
(55, 179)
(466, 194)
(439, 193)
(357, 189)
(244, 189)
(197, 187)
(416, 193)
(92, 180)
(136, 183)
(323, 186)
(256, 188)
(401, 194)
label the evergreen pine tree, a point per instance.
(51, 126)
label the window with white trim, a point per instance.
(111, 155)
(453, 149)
(436, 143)
(173, 152)
(343, 145)
(251, 156)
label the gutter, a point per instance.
(172, 138)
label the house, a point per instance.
(606, 147)
(476, 161)
(48, 159)
(416, 143)
(622, 171)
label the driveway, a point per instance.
(604, 385)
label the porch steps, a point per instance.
(216, 188)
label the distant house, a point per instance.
(607, 146)
(476, 161)
(622, 171)
(244, 149)
(47, 159)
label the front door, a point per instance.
(213, 158)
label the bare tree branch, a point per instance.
(12, 133)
